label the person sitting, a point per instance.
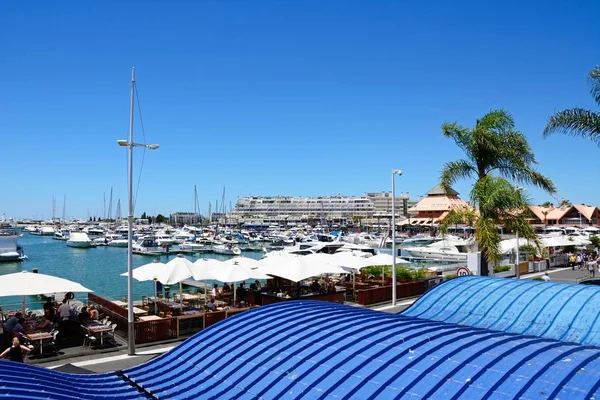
(16, 352)
(94, 314)
(210, 305)
(64, 311)
(84, 316)
(258, 286)
(226, 288)
(315, 287)
(45, 325)
(12, 322)
(19, 327)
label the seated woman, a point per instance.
(226, 288)
(93, 313)
(210, 305)
(45, 325)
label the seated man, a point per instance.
(210, 305)
(19, 327)
(12, 322)
(84, 316)
(94, 315)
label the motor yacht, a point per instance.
(79, 239)
(227, 249)
(10, 249)
(451, 249)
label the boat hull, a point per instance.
(80, 245)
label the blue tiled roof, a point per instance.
(317, 350)
(561, 311)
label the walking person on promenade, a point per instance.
(16, 352)
(592, 267)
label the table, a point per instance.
(150, 318)
(101, 329)
(119, 303)
(139, 311)
(32, 337)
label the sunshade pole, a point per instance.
(23, 304)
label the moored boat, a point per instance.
(80, 240)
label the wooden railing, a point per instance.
(156, 330)
(384, 293)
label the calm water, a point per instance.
(97, 268)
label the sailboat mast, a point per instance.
(64, 208)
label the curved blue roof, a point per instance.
(318, 350)
(561, 311)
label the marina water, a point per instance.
(98, 268)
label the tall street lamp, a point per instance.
(130, 145)
(394, 172)
(518, 265)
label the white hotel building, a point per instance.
(333, 209)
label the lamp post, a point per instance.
(130, 145)
(517, 265)
(394, 172)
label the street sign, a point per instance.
(463, 271)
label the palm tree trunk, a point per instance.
(484, 266)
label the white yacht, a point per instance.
(62, 234)
(79, 239)
(46, 231)
(148, 245)
(10, 250)
(452, 249)
(193, 246)
(365, 239)
(163, 239)
(420, 240)
(227, 249)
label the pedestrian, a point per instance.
(16, 352)
(591, 268)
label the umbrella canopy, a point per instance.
(31, 284)
(383, 259)
(202, 268)
(147, 272)
(177, 270)
(296, 268)
(342, 259)
(232, 271)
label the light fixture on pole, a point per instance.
(518, 265)
(394, 172)
(130, 145)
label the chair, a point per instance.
(89, 339)
(106, 322)
(113, 326)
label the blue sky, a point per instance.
(279, 98)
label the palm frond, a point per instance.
(457, 217)
(488, 239)
(460, 134)
(595, 80)
(455, 170)
(496, 120)
(575, 122)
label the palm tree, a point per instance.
(494, 150)
(578, 121)
(498, 203)
(493, 146)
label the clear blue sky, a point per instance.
(279, 98)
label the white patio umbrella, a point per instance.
(177, 270)
(296, 268)
(237, 270)
(202, 270)
(31, 284)
(149, 272)
(383, 259)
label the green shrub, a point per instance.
(537, 278)
(502, 268)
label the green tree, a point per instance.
(144, 216)
(160, 219)
(578, 121)
(493, 146)
(497, 203)
(547, 204)
(494, 150)
(565, 203)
